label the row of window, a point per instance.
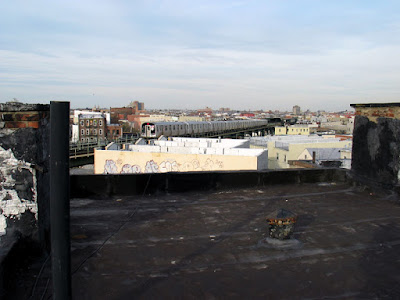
(91, 139)
(91, 123)
(297, 129)
(94, 132)
(301, 130)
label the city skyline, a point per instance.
(173, 54)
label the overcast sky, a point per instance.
(191, 54)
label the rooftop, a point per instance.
(91, 116)
(213, 244)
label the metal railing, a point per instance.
(85, 149)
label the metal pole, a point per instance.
(59, 199)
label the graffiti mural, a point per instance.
(110, 167)
(151, 167)
(196, 165)
(169, 166)
(129, 169)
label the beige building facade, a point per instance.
(176, 156)
(292, 130)
(282, 149)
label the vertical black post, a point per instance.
(59, 199)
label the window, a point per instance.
(305, 156)
(87, 122)
(95, 131)
(94, 123)
(82, 139)
(82, 123)
(100, 131)
(100, 122)
(277, 156)
(87, 131)
(87, 139)
(117, 131)
(284, 158)
(166, 128)
(91, 122)
(82, 131)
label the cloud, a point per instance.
(247, 55)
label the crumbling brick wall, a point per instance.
(376, 142)
(24, 177)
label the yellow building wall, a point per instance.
(294, 130)
(120, 162)
(280, 130)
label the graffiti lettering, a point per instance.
(169, 166)
(129, 169)
(110, 167)
(151, 167)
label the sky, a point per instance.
(245, 55)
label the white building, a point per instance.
(88, 112)
(282, 149)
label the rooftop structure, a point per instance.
(325, 155)
(283, 149)
(181, 155)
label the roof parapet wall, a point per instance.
(376, 143)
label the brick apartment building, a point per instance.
(138, 106)
(92, 128)
(114, 131)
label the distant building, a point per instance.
(137, 120)
(114, 131)
(74, 133)
(247, 115)
(292, 130)
(121, 113)
(138, 106)
(283, 149)
(206, 110)
(296, 110)
(88, 112)
(92, 128)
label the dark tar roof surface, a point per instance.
(210, 245)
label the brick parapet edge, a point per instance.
(22, 119)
